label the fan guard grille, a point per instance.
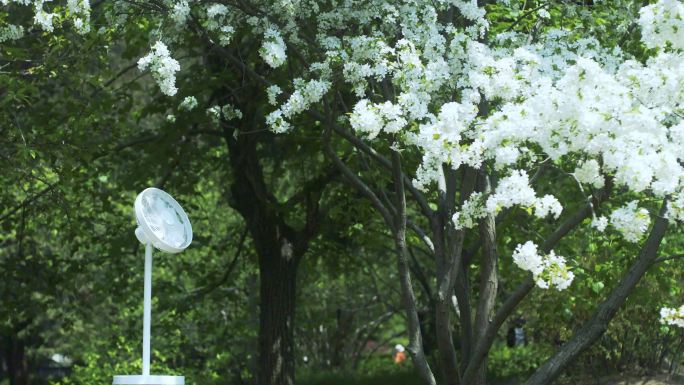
(163, 219)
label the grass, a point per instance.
(394, 377)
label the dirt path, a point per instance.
(661, 379)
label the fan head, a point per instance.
(162, 221)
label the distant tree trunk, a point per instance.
(16, 361)
(345, 319)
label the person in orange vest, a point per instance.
(399, 354)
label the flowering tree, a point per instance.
(464, 108)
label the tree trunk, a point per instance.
(488, 279)
(278, 277)
(279, 248)
(16, 361)
(345, 326)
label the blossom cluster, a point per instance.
(471, 210)
(631, 221)
(11, 32)
(661, 24)
(273, 92)
(564, 96)
(218, 21)
(548, 270)
(162, 66)
(188, 104)
(180, 12)
(371, 119)
(600, 223)
(228, 112)
(589, 173)
(515, 189)
(672, 316)
(675, 208)
(79, 11)
(44, 18)
(305, 94)
(273, 48)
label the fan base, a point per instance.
(148, 380)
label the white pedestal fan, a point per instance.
(162, 223)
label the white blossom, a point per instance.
(631, 221)
(600, 223)
(162, 66)
(472, 210)
(218, 21)
(214, 113)
(675, 208)
(527, 258)
(11, 32)
(305, 94)
(661, 24)
(547, 270)
(79, 11)
(512, 190)
(672, 316)
(548, 204)
(589, 173)
(188, 104)
(231, 112)
(272, 93)
(43, 19)
(273, 48)
(277, 122)
(366, 119)
(556, 273)
(180, 12)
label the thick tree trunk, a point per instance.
(279, 248)
(16, 361)
(276, 364)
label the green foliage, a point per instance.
(83, 132)
(507, 362)
(401, 376)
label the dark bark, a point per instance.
(524, 288)
(278, 277)
(462, 292)
(488, 277)
(16, 360)
(343, 333)
(415, 347)
(443, 325)
(274, 243)
(279, 248)
(452, 273)
(594, 328)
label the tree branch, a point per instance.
(415, 346)
(520, 292)
(355, 181)
(597, 325)
(488, 272)
(668, 258)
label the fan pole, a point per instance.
(147, 315)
